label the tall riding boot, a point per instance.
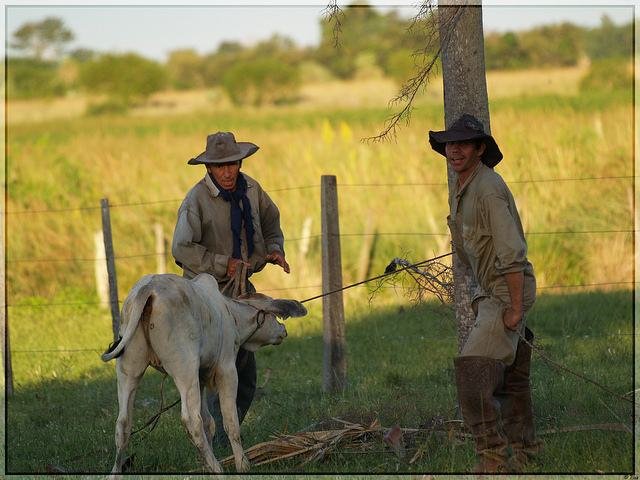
(516, 407)
(477, 380)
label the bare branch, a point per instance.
(333, 13)
(433, 280)
(431, 25)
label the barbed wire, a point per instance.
(358, 185)
(100, 350)
(345, 235)
(312, 287)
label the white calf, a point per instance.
(189, 330)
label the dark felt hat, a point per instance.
(467, 127)
(223, 148)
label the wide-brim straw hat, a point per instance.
(467, 127)
(223, 148)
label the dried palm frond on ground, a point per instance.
(312, 446)
(406, 443)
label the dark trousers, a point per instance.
(247, 376)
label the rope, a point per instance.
(537, 350)
(154, 420)
(237, 286)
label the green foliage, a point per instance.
(363, 30)
(610, 41)
(31, 78)
(186, 69)
(261, 81)
(42, 39)
(401, 66)
(608, 75)
(367, 43)
(127, 76)
(504, 52)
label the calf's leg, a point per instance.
(227, 390)
(191, 396)
(130, 371)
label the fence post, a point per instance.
(160, 253)
(111, 267)
(334, 374)
(6, 344)
(100, 267)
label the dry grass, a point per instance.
(366, 93)
(141, 159)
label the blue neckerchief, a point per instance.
(238, 215)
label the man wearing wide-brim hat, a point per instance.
(227, 221)
(492, 371)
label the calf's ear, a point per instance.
(284, 309)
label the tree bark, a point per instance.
(465, 91)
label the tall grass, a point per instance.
(568, 161)
(58, 171)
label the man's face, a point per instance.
(463, 156)
(226, 174)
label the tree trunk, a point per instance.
(465, 91)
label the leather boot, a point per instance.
(516, 408)
(477, 380)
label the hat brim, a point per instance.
(246, 150)
(491, 156)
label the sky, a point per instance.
(153, 30)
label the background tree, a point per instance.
(186, 69)
(262, 81)
(125, 78)
(30, 78)
(458, 30)
(465, 91)
(42, 40)
(610, 41)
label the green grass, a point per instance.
(399, 372)
(63, 412)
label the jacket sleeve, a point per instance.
(193, 257)
(270, 221)
(510, 247)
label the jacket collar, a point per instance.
(214, 190)
(476, 171)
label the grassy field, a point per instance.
(400, 372)
(568, 161)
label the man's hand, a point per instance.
(512, 318)
(515, 283)
(277, 258)
(232, 266)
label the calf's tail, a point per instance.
(142, 306)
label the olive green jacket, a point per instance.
(487, 234)
(202, 240)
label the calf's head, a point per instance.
(268, 330)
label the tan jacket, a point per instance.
(202, 240)
(488, 236)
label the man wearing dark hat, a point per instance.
(225, 221)
(492, 371)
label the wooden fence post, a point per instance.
(111, 267)
(6, 344)
(160, 252)
(100, 267)
(334, 375)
